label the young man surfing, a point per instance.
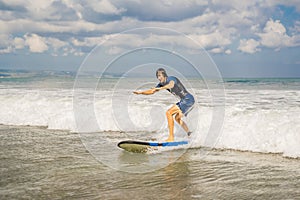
(173, 85)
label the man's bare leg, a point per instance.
(172, 111)
(178, 118)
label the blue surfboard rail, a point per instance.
(168, 144)
(154, 144)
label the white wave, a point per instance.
(264, 121)
(37, 108)
(267, 131)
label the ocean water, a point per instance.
(260, 115)
(51, 142)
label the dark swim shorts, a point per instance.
(186, 104)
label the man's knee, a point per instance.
(172, 111)
(169, 113)
(178, 118)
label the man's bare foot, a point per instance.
(170, 139)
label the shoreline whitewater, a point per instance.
(8, 126)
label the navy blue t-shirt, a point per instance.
(178, 89)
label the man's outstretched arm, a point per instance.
(168, 86)
(146, 92)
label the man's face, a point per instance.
(161, 77)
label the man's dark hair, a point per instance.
(163, 71)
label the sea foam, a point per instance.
(264, 121)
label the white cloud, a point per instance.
(70, 50)
(249, 46)
(88, 41)
(14, 2)
(4, 40)
(56, 43)
(219, 50)
(41, 9)
(274, 36)
(215, 25)
(105, 7)
(210, 28)
(35, 43)
(8, 44)
(74, 5)
(5, 44)
(6, 50)
(237, 4)
(271, 3)
(162, 10)
(118, 43)
(19, 43)
(114, 50)
(212, 39)
(227, 51)
(80, 26)
(180, 3)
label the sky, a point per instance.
(251, 38)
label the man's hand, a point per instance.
(155, 89)
(137, 92)
(147, 92)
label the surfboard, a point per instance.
(143, 147)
